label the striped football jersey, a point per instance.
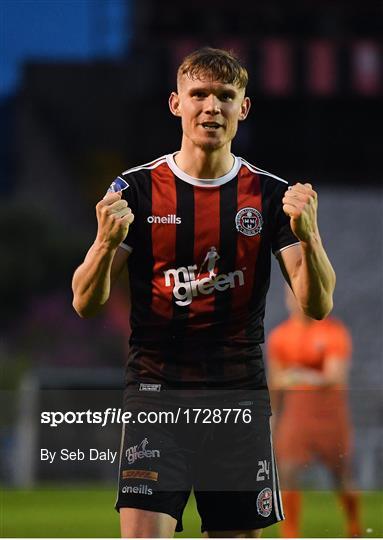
(199, 265)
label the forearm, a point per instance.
(314, 279)
(296, 376)
(92, 279)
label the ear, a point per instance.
(245, 108)
(174, 104)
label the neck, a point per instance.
(200, 163)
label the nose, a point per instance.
(212, 105)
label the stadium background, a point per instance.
(84, 87)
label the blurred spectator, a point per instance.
(308, 363)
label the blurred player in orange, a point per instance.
(308, 362)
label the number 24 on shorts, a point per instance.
(264, 470)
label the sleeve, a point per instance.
(125, 183)
(340, 344)
(282, 236)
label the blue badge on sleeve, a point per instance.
(118, 184)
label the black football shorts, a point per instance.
(218, 445)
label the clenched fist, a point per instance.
(113, 218)
(300, 202)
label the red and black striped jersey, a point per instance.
(200, 266)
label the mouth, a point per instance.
(210, 126)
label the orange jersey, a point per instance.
(299, 344)
(314, 420)
(295, 343)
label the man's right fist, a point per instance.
(113, 217)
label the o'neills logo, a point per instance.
(141, 489)
(187, 285)
(170, 219)
(139, 451)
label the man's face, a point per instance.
(210, 111)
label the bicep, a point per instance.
(290, 259)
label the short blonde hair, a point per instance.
(218, 64)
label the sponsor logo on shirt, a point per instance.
(170, 219)
(139, 451)
(187, 285)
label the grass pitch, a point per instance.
(88, 513)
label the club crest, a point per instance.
(265, 502)
(248, 221)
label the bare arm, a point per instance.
(104, 261)
(307, 267)
(93, 279)
(335, 372)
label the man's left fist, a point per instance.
(300, 202)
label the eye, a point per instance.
(198, 94)
(226, 96)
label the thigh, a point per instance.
(252, 533)
(154, 473)
(137, 523)
(293, 442)
(237, 486)
(333, 446)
